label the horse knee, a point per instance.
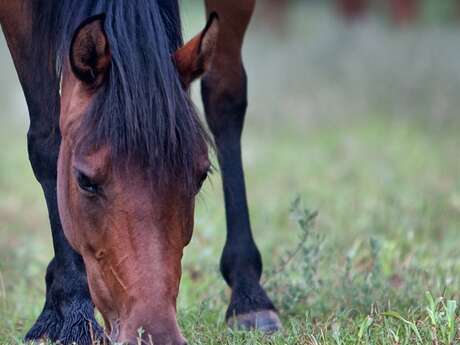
(240, 260)
(225, 101)
(43, 149)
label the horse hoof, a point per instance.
(266, 321)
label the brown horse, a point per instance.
(115, 142)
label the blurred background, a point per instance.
(354, 107)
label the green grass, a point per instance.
(379, 263)
(353, 179)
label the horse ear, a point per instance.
(90, 56)
(194, 58)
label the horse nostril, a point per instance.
(100, 254)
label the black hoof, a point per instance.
(266, 321)
(73, 324)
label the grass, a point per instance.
(355, 203)
(388, 199)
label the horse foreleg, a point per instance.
(68, 314)
(225, 99)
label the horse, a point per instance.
(120, 153)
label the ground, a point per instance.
(353, 178)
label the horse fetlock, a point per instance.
(68, 314)
(248, 296)
(70, 323)
(238, 267)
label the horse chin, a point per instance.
(157, 340)
(138, 313)
(129, 332)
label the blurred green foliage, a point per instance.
(441, 11)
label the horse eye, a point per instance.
(85, 183)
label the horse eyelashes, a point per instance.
(86, 184)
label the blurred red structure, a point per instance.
(401, 11)
(275, 13)
(352, 9)
(404, 11)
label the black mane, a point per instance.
(142, 112)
